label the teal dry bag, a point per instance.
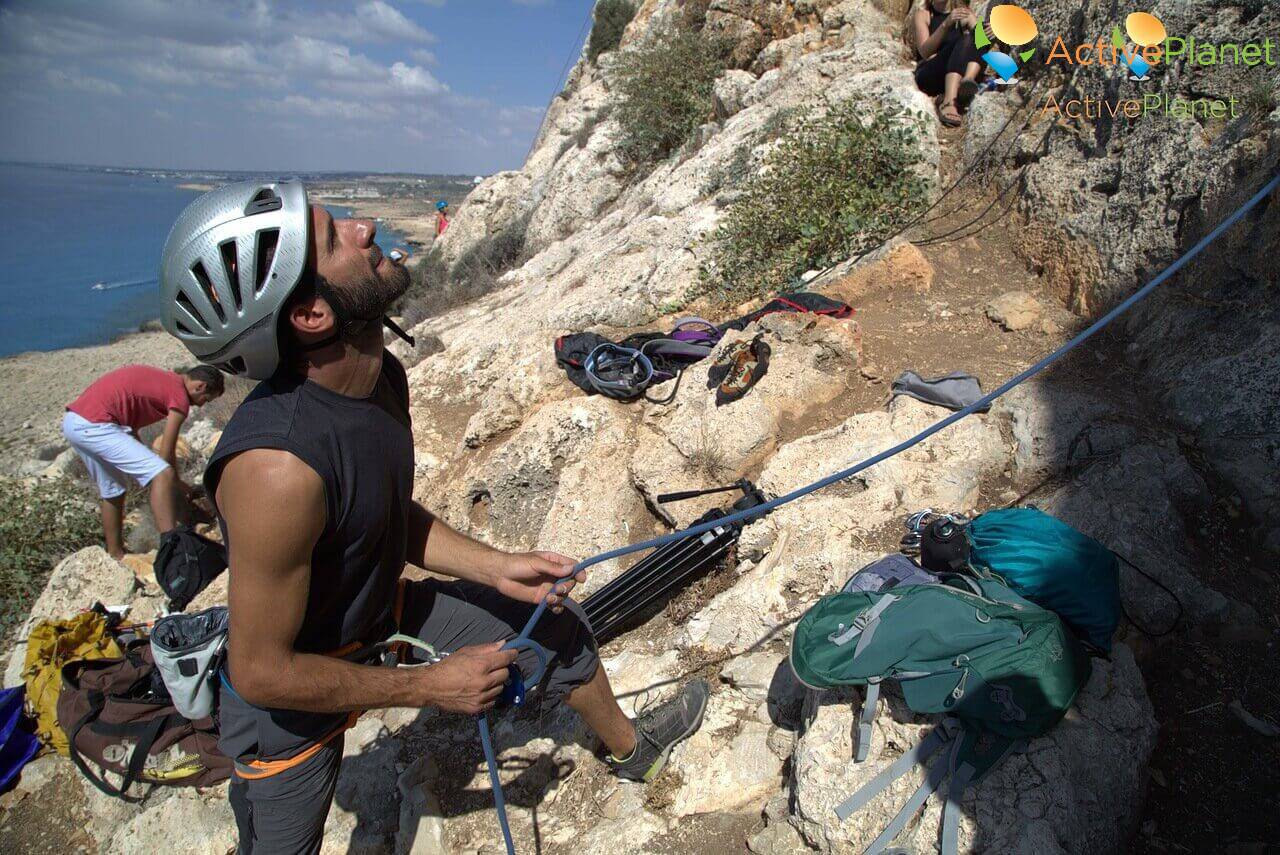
(1054, 566)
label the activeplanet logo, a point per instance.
(1013, 26)
(1143, 44)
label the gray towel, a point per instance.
(955, 391)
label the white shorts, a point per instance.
(111, 454)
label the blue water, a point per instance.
(66, 231)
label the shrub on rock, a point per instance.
(611, 19)
(665, 89)
(836, 184)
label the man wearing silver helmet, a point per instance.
(313, 484)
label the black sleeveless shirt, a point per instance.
(362, 449)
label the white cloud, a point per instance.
(243, 84)
(83, 83)
(422, 56)
(415, 80)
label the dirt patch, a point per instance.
(52, 821)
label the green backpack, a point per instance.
(1000, 668)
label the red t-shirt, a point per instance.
(134, 396)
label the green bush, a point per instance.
(611, 19)
(436, 287)
(39, 524)
(664, 93)
(835, 185)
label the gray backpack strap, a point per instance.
(867, 623)
(941, 735)
(932, 781)
(862, 743)
(960, 780)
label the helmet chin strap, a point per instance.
(337, 334)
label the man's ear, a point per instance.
(312, 317)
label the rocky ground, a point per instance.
(1168, 748)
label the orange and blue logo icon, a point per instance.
(1013, 26)
(1146, 31)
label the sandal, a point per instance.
(968, 91)
(948, 114)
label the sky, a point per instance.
(427, 86)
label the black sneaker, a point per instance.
(658, 731)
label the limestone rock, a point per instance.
(67, 464)
(746, 36)
(141, 534)
(143, 569)
(187, 821)
(365, 816)
(706, 445)
(1016, 310)
(899, 266)
(80, 580)
(1075, 790)
(730, 90)
(639, 679)
(727, 765)
(201, 437)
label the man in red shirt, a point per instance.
(102, 425)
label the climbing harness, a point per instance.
(522, 641)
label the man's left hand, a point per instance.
(529, 576)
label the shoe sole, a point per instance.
(661, 763)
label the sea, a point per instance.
(80, 252)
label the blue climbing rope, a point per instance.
(522, 640)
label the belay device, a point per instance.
(670, 565)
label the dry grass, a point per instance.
(708, 457)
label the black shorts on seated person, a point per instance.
(954, 55)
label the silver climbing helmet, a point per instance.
(231, 261)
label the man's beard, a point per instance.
(365, 300)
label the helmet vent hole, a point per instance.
(265, 254)
(234, 366)
(202, 277)
(185, 302)
(263, 201)
(182, 328)
(229, 265)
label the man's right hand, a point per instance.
(467, 681)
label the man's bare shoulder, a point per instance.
(270, 478)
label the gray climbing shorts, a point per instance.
(285, 813)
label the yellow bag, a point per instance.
(51, 645)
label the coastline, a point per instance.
(36, 385)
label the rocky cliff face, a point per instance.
(1111, 202)
(510, 451)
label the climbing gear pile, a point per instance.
(188, 651)
(50, 646)
(751, 513)
(187, 563)
(122, 724)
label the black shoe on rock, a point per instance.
(660, 729)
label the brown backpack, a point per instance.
(118, 718)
